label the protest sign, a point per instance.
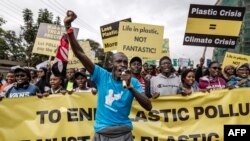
(235, 59)
(141, 39)
(165, 48)
(48, 38)
(109, 34)
(213, 26)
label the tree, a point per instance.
(19, 48)
(15, 48)
(10, 45)
(30, 31)
(44, 16)
(57, 21)
(93, 44)
(105, 59)
(3, 44)
(107, 62)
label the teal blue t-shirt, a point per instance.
(114, 102)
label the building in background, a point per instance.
(5, 65)
(243, 44)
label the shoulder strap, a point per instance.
(9, 90)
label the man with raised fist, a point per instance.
(112, 118)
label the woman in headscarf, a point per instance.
(43, 82)
(242, 78)
(228, 72)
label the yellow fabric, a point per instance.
(201, 26)
(71, 117)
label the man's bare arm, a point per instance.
(76, 48)
(142, 99)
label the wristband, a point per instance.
(68, 26)
(70, 31)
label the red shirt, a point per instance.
(142, 81)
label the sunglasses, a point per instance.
(20, 75)
(216, 68)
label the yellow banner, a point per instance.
(56, 117)
(71, 117)
(235, 59)
(140, 39)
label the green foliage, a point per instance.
(57, 21)
(2, 21)
(10, 45)
(3, 44)
(19, 48)
(30, 31)
(107, 62)
(44, 16)
(3, 48)
(15, 49)
(105, 59)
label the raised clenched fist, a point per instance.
(70, 17)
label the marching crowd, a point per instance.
(155, 81)
(22, 82)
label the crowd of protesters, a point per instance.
(23, 81)
(165, 80)
(155, 81)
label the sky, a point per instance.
(172, 14)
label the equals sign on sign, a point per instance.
(212, 26)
